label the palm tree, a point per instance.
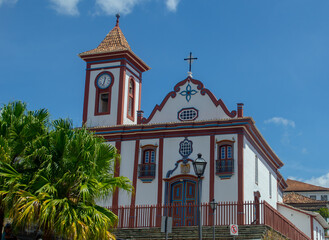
(56, 183)
(18, 127)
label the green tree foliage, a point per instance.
(52, 175)
(324, 212)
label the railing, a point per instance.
(224, 166)
(278, 222)
(146, 170)
(248, 213)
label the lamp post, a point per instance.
(213, 205)
(199, 166)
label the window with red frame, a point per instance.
(103, 84)
(147, 168)
(131, 98)
(225, 159)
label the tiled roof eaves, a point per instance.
(90, 58)
(300, 191)
(297, 186)
(296, 198)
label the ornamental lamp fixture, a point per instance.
(213, 205)
(199, 165)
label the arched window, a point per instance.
(131, 99)
(147, 168)
(103, 84)
(225, 160)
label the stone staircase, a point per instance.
(189, 233)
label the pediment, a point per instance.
(189, 101)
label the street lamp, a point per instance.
(199, 166)
(213, 205)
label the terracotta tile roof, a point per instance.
(293, 197)
(297, 186)
(114, 41)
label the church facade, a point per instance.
(157, 151)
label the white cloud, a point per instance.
(322, 181)
(112, 7)
(12, 2)
(172, 5)
(281, 121)
(66, 7)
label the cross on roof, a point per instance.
(117, 16)
(190, 60)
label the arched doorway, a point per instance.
(183, 199)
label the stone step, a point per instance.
(189, 233)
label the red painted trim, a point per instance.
(240, 110)
(115, 199)
(139, 95)
(225, 142)
(133, 197)
(192, 129)
(149, 146)
(111, 67)
(240, 178)
(253, 129)
(312, 227)
(212, 168)
(181, 176)
(139, 64)
(203, 91)
(121, 94)
(281, 182)
(133, 96)
(86, 98)
(259, 151)
(160, 178)
(178, 133)
(177, 178)
(100, 91)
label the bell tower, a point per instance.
(113, 82)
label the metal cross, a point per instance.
(190, 60)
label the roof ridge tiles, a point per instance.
(297, 186)
(113, 41)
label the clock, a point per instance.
(104, 81)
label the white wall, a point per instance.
(317, 226)
(146, 192)
(108, 119)
(125, 106)
(106, 201)
(227, 189)
(264, 169)
(126, 169)
(299, 219)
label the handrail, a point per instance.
(226, 213)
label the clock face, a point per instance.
(104, 81)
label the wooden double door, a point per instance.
(184, 202)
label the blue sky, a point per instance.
(272, 55)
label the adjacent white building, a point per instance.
(308, 190)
